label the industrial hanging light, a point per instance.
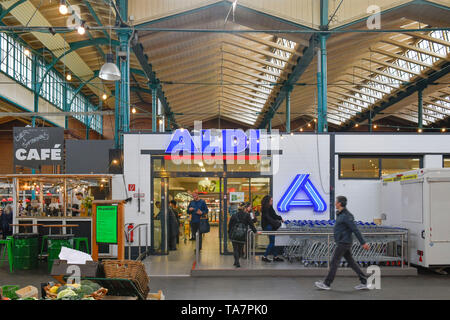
(82, 28)
(133, 110)
(69, 77)
(109, 70)
(63, 7)
(104, 96)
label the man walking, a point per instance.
(343, 229)
(197, 208)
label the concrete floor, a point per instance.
(171, 274)
(427, 285)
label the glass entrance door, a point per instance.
(159, 207)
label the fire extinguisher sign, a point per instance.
(131, 187)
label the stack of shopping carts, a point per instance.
(313, 243)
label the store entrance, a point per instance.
(222, 187)
(172, 195)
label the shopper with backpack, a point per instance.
(237, 230)
(270, 221)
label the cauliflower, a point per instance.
(66, 293)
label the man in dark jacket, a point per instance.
(270, 221)
(343, 229)
(197, 208)
(242, 216)
(173, 227)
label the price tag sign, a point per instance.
(106, 224)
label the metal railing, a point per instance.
(138, 227)
(403, 237)
(197, 245)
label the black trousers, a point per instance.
(343, 250)
(238, 248)
(194, 228)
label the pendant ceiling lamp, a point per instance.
(109, 70)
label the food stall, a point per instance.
(53, 199)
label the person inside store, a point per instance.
(270, 221)
(76, 205)
(174, 206)
(157, 210)
(237, 230)
(6, 219)
(173, 227)
(343, 229)
(197, 208)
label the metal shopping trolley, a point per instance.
(314, 245)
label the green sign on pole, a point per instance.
(106, 223)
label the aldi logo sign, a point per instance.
(302, 184)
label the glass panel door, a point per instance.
(238, 190)
(159, 215)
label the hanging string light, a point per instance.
(82, 28)
(63, 7)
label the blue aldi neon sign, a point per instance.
(302, 183)
(231, 141)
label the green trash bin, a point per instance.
(55, 243)
(25, 251)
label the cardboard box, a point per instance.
(91, 269)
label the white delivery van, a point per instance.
(419, 200)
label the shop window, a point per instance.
(192, 166)
(262, 165)
(359, 168)
(396, 165)
(446, 162)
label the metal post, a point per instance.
(288, 109)
(370, 120)
(35, 86)
(270, 126)
(420, 108)
(402, 251)
(323, 74)
(117, 114)
(154, 106)
(328, 244)
(319, 93)
(197, 253)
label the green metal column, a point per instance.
(288, 109)
(154, 88)
(34, 77)
(324, 84)
(86, 121)
(420, 108)
(322, 72)
(117, 117)
(319, 94)
(370, 120)
(124, 66)
(269, 126)
(65, 106)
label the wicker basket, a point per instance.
(128, 269)
(97, 295)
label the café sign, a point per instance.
(34, 147)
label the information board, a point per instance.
(106, 224)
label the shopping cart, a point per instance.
(315, 250)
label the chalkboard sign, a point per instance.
(106, 224)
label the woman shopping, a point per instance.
(270, 221)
